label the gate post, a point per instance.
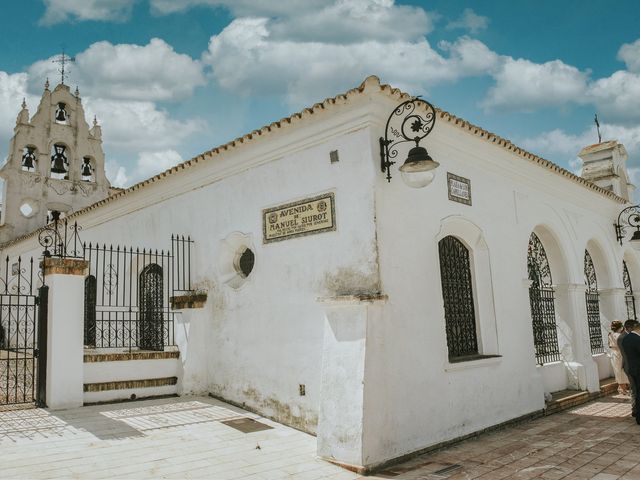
(65, 332)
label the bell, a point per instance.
(86, 168)
(636, 236)
(61, 115)
(28, 159)
(58, 160)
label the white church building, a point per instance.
(320, 291)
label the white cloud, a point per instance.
(246, 59)
(58, 11)
(148, 164)
(150, 72)
(618, 96)
(13, 88)
(629, 53)
(116, 173)
(471, 57)
(151, 163)
(524, 85)
(136, 126)
(560, 146)
(469, 20)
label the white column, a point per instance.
(613, 306)
(65, 332)
(572, 324)
(347, 349)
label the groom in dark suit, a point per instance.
(631, 347)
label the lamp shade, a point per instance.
(417, 170)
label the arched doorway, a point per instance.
(541, 299)
(151, 308)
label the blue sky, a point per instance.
(169, 79)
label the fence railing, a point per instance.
(128, 291)
(181, 267)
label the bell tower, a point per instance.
(55, 162)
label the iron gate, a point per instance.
(23, 310)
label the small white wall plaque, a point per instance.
(459, 189)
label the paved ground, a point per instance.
(170, 438)
(598, 440)
(185, 438)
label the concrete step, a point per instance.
(565, 399)
(117, 375)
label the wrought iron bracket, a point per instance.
(60, 239)
(404, 125)
(628, 217)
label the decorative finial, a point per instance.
(77, 92)
(598, 129)
(62, 60)
(46, 84)
(95, 121)
(24, 103)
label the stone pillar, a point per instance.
(613, 306)
(572, 322)
(65, 332)
(347, 350)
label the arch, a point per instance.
(592, 299)
(90, 299)
(555, 253)
(542, 302)
(458, 298)
(151, 308)
(604, 265)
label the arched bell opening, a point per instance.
(60, 161)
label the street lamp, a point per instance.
(629, 217)
(406, 124)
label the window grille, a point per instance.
(457, 293)
(541, 299)
(628, 293)
(592, 298)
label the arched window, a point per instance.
(541, 299)
(457, 293)
(628, 293)
(592, 298)
(151, 307)
(90, 293)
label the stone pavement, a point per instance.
(169, 438)
(598, 440)
(185, 438)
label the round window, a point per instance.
(245, 262)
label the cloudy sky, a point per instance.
(169, 79)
